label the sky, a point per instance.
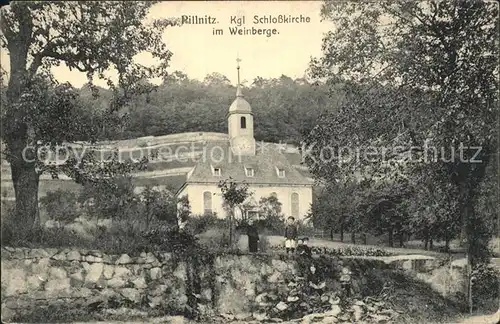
(197, 52)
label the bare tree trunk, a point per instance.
(16, 133)
(466, 214)
(400, 234)
(353, 237)
(147, 214)
(391, 239)
(231, 227)
(341, 232)
(25, 180)
(426, 239)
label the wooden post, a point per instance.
(469, 277)
(231, 227)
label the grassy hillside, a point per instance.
(175, 155)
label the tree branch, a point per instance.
(38, 57)
(6, 31)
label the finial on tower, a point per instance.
(238, 86)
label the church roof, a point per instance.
(240, 105)
(266, 162)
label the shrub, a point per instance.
(375, 280)
(344, 251)
(122, 237)
(485, 286)
(216, 238)
(61, 205)
(158, 205)
(128, 212)
(110, 199)
(306, 229)
(39, 236)
(197, 224)
(170, 239)
(271, 217)
(127, 237)
(263, 243)
(15, 233)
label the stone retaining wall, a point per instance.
(161, 282)
(37, 277)
(40, 277)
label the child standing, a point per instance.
(345, 280)
(290, 235)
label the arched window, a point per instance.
(243, 122)
(295, 204)
(207, 202)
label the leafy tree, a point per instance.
(183, 208)
(91, 37)
(233, 195)
(216, 79)
(284, 109)
(386, 207)
(420, 74)
(333, 208)
(114, 198)
(159, 205)
(175, 77)
(270, 213)
(440, 218)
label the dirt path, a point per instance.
(481, 319)
(278, 240)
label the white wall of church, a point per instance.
(195, 193)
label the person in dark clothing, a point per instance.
(299, 246)
(253, 236)
(316, 281)
(303, 249)
(290, 235)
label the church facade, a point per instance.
(263, 166)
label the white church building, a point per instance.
(263, 166)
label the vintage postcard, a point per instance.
(250, 161)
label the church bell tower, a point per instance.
(240, 123)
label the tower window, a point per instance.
(217, 172)
(249, 172)
(243, 122)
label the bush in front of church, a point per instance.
(197, 224)
(216, 238)
(271, 219)
(212, 233)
